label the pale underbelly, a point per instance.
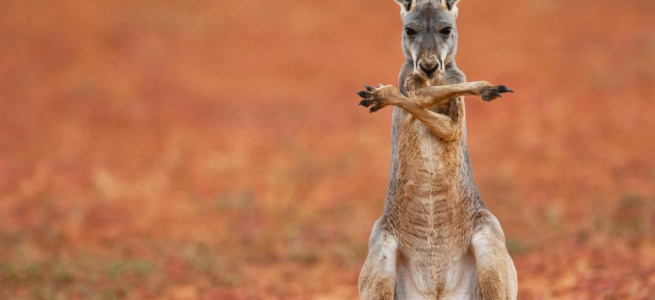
(437, 280)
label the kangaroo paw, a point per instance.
(491, 93)
(376, 98)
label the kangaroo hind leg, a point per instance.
(377, 279)
(495, 269)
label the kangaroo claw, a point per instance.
(366, 102)
(494, 92)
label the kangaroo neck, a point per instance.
(451, 75)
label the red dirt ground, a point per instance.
(214, 150)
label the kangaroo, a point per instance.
(435, 239)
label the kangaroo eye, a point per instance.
(410, 31)
(446, 31)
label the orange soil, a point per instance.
(214, 150)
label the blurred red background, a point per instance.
(214, 149)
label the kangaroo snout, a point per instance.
(428, 66)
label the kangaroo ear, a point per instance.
(405, 4)
(451, 4)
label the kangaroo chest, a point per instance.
(425, 204)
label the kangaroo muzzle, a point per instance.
(429, 66)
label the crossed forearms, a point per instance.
(428, 96)
(419, 100)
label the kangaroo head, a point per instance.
(429, 36)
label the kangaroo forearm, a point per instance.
(432, 95)
(440, 125)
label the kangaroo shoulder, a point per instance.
(454, 76)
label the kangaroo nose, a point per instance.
(429, 67)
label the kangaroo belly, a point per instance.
(432, 221)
